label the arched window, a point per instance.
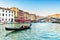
(2, 14)
(6, 14)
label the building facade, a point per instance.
(20, 16)
(55, 15)
(23, 16)
(37, 18)
(26, 15)
(6, 15)
(32, 17)
(16, 10)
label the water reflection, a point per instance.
(12, 32)
(38, 31)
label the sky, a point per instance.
(38, 7)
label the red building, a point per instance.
(23, 17)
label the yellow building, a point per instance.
(15, 11)
(55, 15)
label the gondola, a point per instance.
(21, 28)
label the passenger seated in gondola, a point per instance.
(24, 26)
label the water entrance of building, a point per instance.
(12, 20)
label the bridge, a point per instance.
(49, 19)
(55, 19)
(42, 20)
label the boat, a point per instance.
(21, 28)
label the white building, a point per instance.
(6, 15)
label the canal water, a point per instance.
(38, 31)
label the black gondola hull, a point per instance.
(21, 28)
(17, 28)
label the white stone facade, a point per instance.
(6, 15)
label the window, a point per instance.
(2, 10)
(12, 11)
(9, 19)
(9, 11)
(2, 14)
(6, 14)
(9, 14)
(0, 20)
(6, 11)
(12, 15)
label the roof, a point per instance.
(25, 12)
(5, 8)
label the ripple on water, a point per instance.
(39, 31)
